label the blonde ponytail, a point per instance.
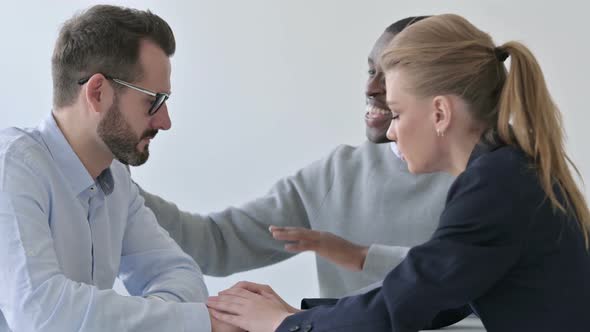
(529, 118)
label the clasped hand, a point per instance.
(248, 306)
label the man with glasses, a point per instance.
(159, 97)
(70, 217)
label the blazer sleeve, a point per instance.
(442, 319)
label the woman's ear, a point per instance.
(442, 113)
(98, 93)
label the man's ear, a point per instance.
(98, 93)
(442, 113)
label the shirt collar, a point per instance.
(68, 162)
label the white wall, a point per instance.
(262, 88)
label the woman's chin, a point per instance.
(415, 168)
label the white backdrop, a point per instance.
(264, 87)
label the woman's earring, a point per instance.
(440, 133)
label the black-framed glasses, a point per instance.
(161, 97)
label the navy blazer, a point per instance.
(500, 247)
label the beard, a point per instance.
(118, 136)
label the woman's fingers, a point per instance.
(229, 303)
(253, 287)
(227, 318)
(239, 293)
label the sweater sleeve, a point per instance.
(237, 238)
(381, 259)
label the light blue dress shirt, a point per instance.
(64, 237)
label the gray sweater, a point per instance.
(364, 194)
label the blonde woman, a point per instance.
(512, 241)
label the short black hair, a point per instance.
(398, 26)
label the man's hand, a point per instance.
(333, 248)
